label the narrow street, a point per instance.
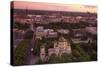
(30, 58)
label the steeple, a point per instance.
(42, 53)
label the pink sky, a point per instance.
(54, 6)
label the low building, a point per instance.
(47, 33)
(51, 35)
(79, 40)
(63, 31)
(40, 34)
(18, 34)
(92, 30)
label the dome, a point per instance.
(62, 39)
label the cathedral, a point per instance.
(59, 47)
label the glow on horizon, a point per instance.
(54, 6)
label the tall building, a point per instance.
(42, 53)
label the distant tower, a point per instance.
(31, 27)
(42, 53)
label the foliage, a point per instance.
(39, 61)
(20, 25)
(20, 52)
(54, 59)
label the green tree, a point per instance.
(54, 59)
(76, 53)
(66, 58)
(20, 52)
(84, 56)
(20, 25)
(39, 61)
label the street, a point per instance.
(30, 58)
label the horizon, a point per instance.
(54, 6)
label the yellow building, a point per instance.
(60, 46)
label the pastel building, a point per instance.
(59, 47)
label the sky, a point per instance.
(55, 6)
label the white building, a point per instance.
(42, 53)
(63, 31)
(92, 30)
(47, 33)
(40, 32)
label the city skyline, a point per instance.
(49, 33)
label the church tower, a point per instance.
(42, 53)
